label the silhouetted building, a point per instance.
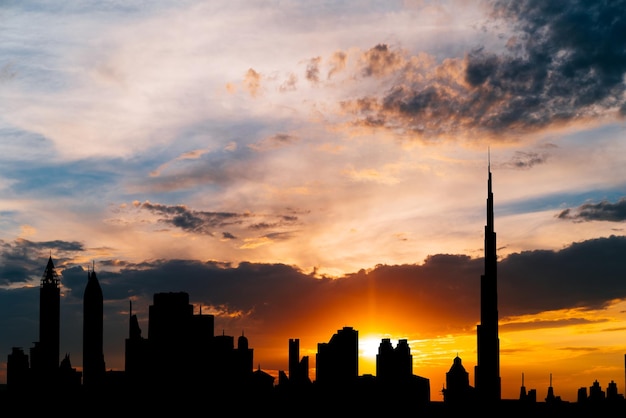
(487, 370)
(551, 397)
(394, 375)
(298, 367)
(93, 354)
(393, 364)
(136, 349)
(182, 353)
(529, 397)
(44, 356)
(611, 392)
(18, 370)
(532, 396)
(170, 336)
(69, 378)
(458, 390)
(596, 394)
(337, 361)
(262, 383)
(242, 363)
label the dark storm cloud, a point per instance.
(584, 275)
(565, 61)
(572, 56)
(283, 300)
(602, 211)
(588, 274)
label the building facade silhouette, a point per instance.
(337, 361)
(182, 352)
(93, 339)
(298, 367)
(395, 380)
(458, 390)
(44, 356)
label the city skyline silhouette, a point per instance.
(297, 168)
(183, 359)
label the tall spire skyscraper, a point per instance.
(487, 372)
(49, 317)
(44, 355)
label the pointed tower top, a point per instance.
(50, 275)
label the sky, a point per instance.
(297, 167)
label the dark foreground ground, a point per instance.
(338, 403)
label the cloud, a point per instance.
(190, 155)
(192, 221)
(337, 63)
(290, 84)
(602, 211)
(275, 141)
(582, 275)
(525, 160)
(22, 261)
(252, 81)
(380, 60)
(205, 222)
(560, 65)
(313, 70)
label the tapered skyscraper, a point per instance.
(487, 372)
(93, 357)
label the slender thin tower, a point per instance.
(487, 372)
